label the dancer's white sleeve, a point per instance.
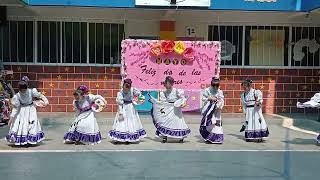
(120, 102)
(180, 93)
(16, 105)
(316, 97)
(93, 97)
(136, 92)
(205, 96)
(220, 99)
(244, 106)
(37, 94)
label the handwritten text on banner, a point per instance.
(148, 71)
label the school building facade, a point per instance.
(60, 44)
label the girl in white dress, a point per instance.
(211, 124)
(25, 127)
(85, 128)
(313, 103)
(255, 124)
(127, 126)
(167, 118)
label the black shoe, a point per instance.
(181, 141)
(243, 128)
(164, 139)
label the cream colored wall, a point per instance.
(200, 28)
(141, 28)
(145, 22)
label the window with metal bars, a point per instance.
(231, 43)
(61, 42)
(16, 41)
(266, 45)
(105, 43)
(74, 42)
(48, 42)
(305, 46)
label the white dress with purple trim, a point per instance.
(256, 126)
(167, 118)
(313, 103)
(127, 126)
(25, 127)
(211, 125)
(85, 128)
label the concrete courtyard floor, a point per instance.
(55, 125)
(287, 154)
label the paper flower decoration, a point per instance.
(167, 46)
(179, 47)
(189, 53)
(156, 49)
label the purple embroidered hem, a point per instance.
(12, 137)
(126, 136)
(82, 137)
(256, 134)
(174, 133)
(207, 121)
(318, 138)
(211, 137)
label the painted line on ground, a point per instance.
(288, 123)
(156, 150)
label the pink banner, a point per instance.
(194, 100)
(191, 63)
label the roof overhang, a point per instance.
(14, 3)
(238, 5)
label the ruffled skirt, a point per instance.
(168, 120)
(26, 128)
(127, 127)
(256, 127)
(84, 129)
(211, 127)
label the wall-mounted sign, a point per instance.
(190, 31)
(192, 64)
(188, 3)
